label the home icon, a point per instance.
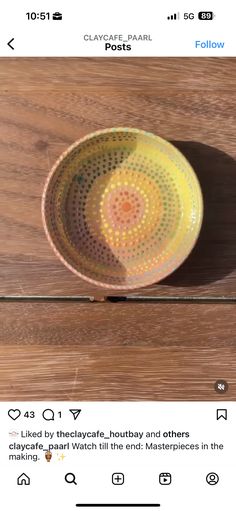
(23, 479)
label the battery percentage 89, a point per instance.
(205, 15)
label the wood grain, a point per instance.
(77, 374)
(71, 73)
(36, 127)
(119, 324)
(78, 351)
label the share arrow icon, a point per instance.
(75, 412)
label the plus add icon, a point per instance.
(118, 478)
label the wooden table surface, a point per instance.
(171, 340)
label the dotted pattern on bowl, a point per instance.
(122, 208)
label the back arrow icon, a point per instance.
(9, 43)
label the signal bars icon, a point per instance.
(174, 16)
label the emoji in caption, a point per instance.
(48, 456)
(60, 457)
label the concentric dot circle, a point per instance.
(124, 211)
(122, 208)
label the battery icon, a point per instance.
(206, 15)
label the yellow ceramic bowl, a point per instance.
(122, 208)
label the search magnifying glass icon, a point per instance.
(70, 478)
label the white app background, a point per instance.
(33, 31)
(179, 456)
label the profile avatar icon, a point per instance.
(212, 478)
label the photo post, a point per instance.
(118, 256)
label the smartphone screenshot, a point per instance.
(117, 255)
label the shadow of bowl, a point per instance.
(214, 255)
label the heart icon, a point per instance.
(14, 414)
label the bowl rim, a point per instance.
(53, 171)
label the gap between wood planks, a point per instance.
(99, 298)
